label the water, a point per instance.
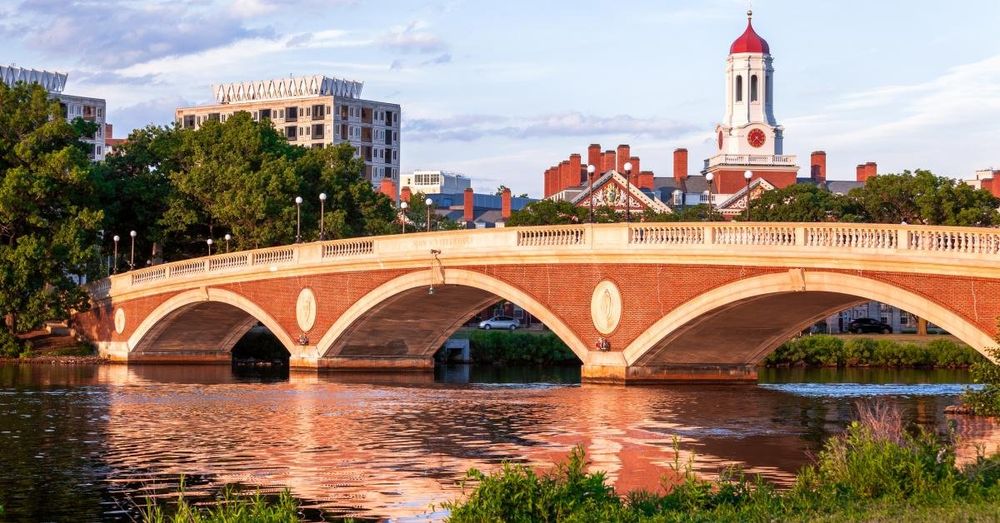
(87, 443)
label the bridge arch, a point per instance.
(470, 293)
(808, 296)
(230, 316)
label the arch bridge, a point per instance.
(635, 302)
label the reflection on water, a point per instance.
(95, 440)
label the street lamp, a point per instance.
(116, 238)
(322, 228)
(209, 242)
(428, 202)
(746, 176)
(298, 219)
(678, 200)
(403, 206)
(709, 177)
(131, 260)
(590, 187)
(628, 191)
(227, 238)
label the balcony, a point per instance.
(779, 160)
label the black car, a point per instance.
(868, 325)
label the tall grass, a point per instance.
(830, 351)
(232, 507)
(875, 467)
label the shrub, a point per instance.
(497, 347)
(830, 351)
(985, 401)
(10, 346)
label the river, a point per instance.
(90, 443)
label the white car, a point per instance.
(500, 322)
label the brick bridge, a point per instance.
(672, 301)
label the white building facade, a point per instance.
(313, 111)
(86, 108)
(435, 182)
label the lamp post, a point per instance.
(403, 206)
(678, 200)
(116, 238)
(322, 208)
(590, 188)
(709, 177)
(628, 192)
(298, 219)
(209, 242)
(227, 237)
(428, 202)
(131, 260)
(747, 175)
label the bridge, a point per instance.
(638, 302)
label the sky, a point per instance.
(502, 90)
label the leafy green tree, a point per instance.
(796, 203)
(920, 197)
(48, 215)
(548, 212)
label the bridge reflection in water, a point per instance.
(674, 301)
(390, 445)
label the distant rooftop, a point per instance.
(292, 87)
(52, 82)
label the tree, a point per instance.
(48, 214)
(796, 203)
(548, 212)
(920, 197)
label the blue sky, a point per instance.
(502, 90)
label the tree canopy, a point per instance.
(49, 214)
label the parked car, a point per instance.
(860, 325)
(500, 322)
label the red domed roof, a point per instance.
(749, 41)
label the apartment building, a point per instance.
(435, 182)
(73, 106)
(313, 111)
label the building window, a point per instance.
(291, 132)
(291, 114)
(753, 88)
(317, 131)
(265, 113)
(739, 88)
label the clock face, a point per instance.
(720, 139)
(756, 138)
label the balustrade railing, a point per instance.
(814, 237)
(551, 237)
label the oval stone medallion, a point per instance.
(120, 320)
(606, 307)
(305, 309)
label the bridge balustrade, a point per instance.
(955, 241)
(779, 235)
(667, 235)
(348, 248)
(547, 237)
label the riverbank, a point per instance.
(875, 471)
(519, 348)
(823, 350)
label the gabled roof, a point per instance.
(609, 189)
(738, 200)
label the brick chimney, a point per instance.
(607, 162)
(388, 188)
(547, 185)
(680, 165)
(860, 173)
(574, 169)
(636, 169)
(405, 194)
(817, 166)
(992, 185)
(624, 151)
(469, 206)
(871, 170)
(594, 156)
(566, 177)
(505, 203)
(645, 180)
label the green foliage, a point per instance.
(519, 348)
(917, 197)
(549, 212)
(985, 401)
(830, 351)
(232, 507)
(48, 210)
(10, 346)
(875, 467)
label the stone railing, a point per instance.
(750, 159)
(808, 240)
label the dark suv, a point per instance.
(868, 325)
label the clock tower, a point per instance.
(749, 137)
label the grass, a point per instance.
(232, 507)
(875, 471)
(830, 351)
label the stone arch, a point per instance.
(840, 290)
(490, 290)
(242, 315)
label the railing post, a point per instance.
(800, 235)
(709, 238)
(903, 239)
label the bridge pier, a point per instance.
(694, 373)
